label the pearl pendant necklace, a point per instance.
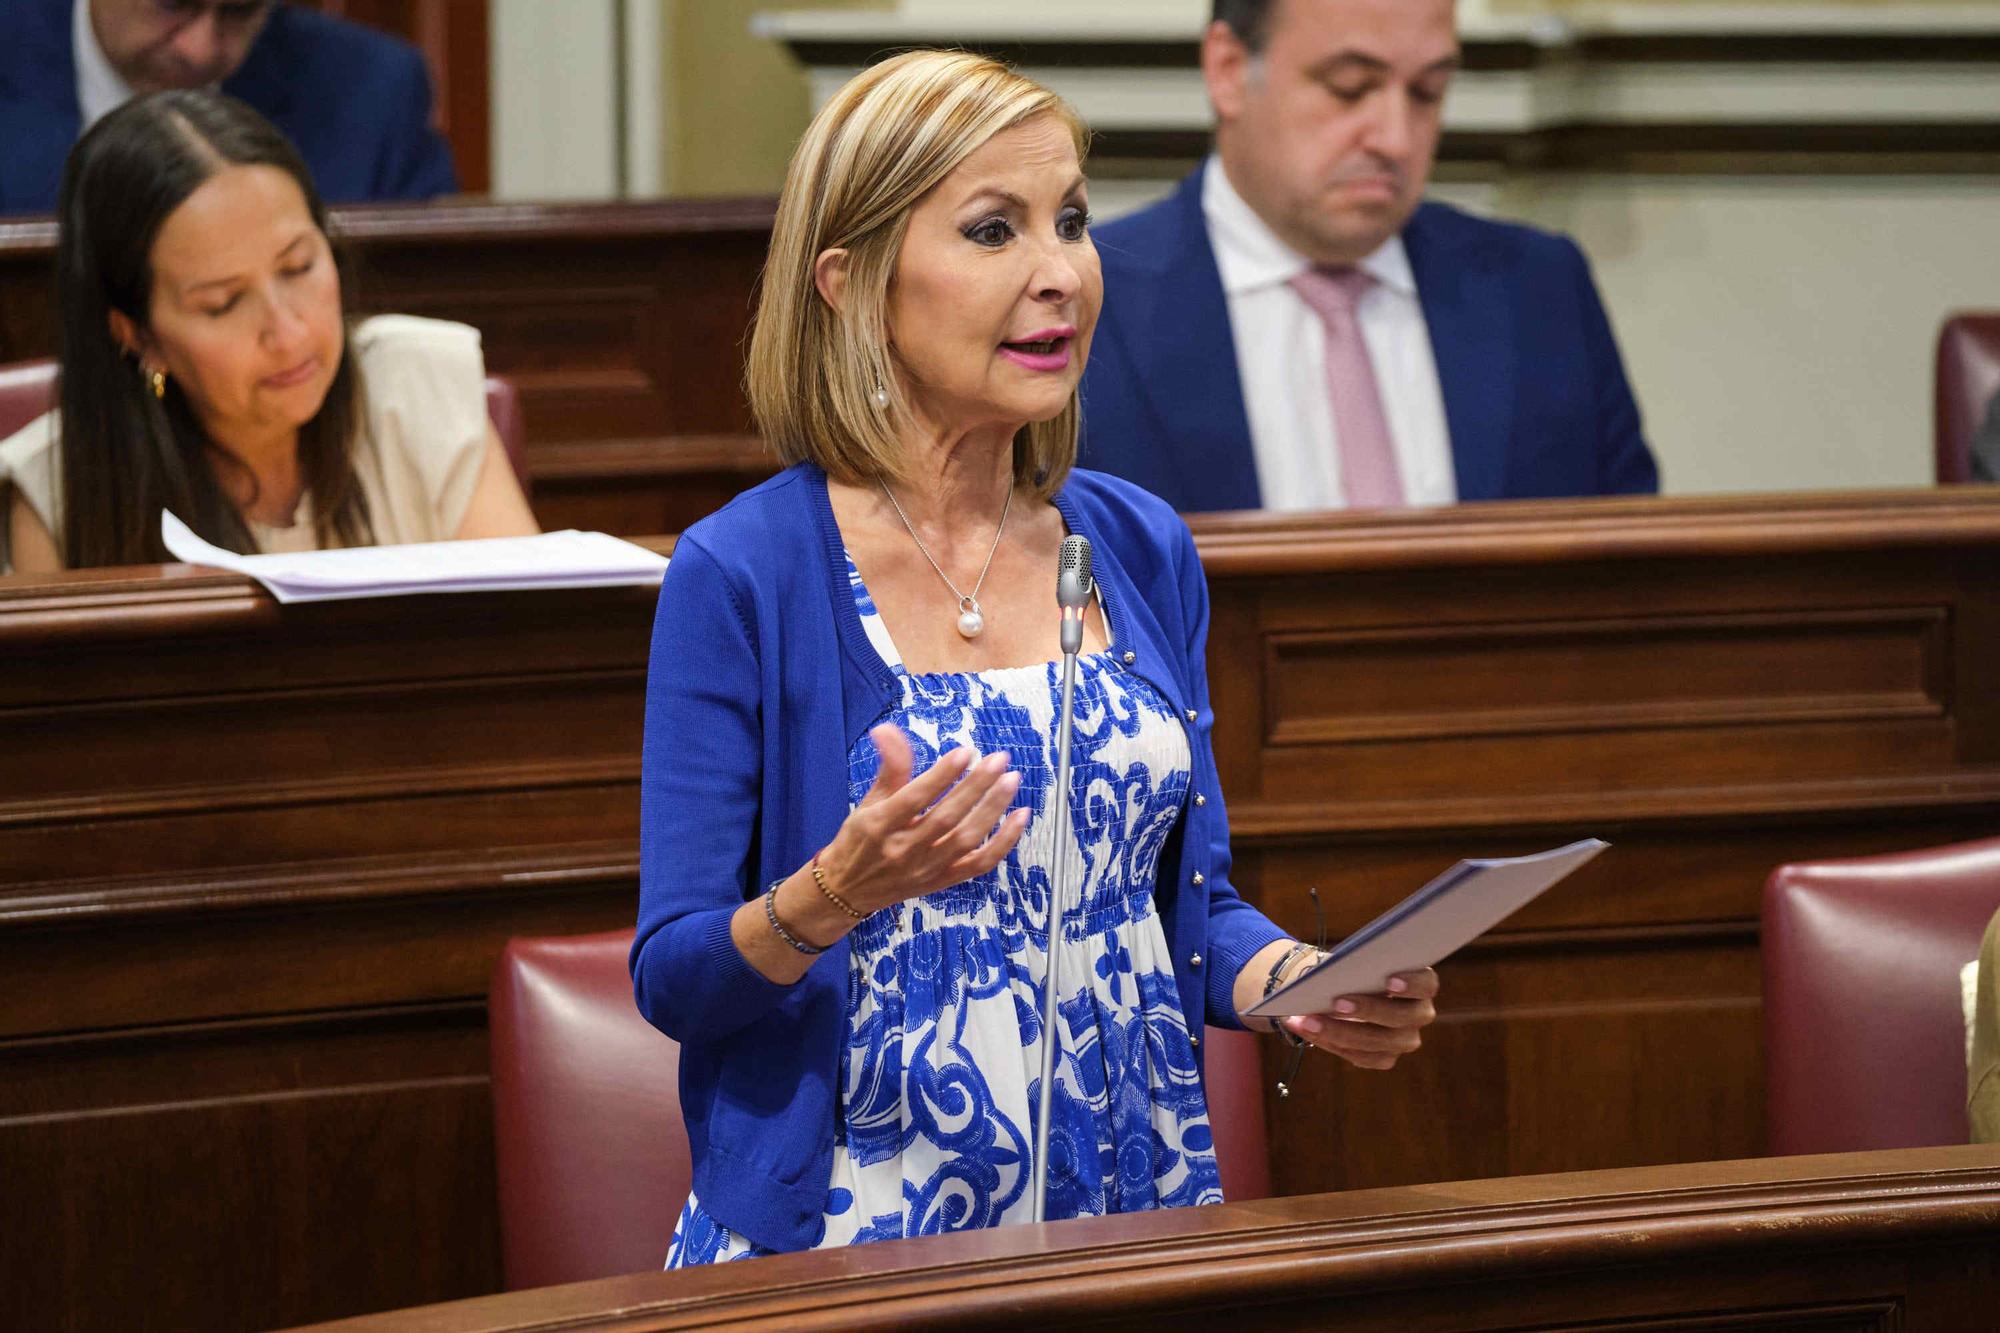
(971, 622)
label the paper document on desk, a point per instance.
(567, 559)
(1427, 927)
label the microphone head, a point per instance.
(1074, 581)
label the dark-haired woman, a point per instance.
(208, 368)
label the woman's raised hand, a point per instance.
(910, 837)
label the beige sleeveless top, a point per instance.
(423, 384)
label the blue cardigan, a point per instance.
(762, 679)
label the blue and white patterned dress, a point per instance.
(940, 1078)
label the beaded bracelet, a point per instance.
(771, 915)
(819, 878)
(1276, 978)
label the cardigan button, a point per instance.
(1130, 658)
(1194, 1039)
(1200, 800)
(1197, 877)
(1194, 961)
(1192, 715)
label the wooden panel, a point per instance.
(1712, 710)
(250, 899)
(1624, 705)
(296, 941)
(619, 322)
(1617, 673)
(296, 837)
(624, 326)
(646, 486)
(1881, 1241)
(419, 736)
(171, 1138)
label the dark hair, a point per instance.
(123, 454)
(1250, 20)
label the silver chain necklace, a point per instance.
(970, 622)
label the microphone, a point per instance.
(1074, 583)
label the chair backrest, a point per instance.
(1235, 1078)
(1864, 1028)
(27, 389)
(592, 1156)
(503, 405)
(1968, 375)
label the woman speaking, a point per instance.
(849, 816)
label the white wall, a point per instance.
(1779, 332)
(554, 120)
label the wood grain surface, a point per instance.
(1867, 1241)
(256, 861)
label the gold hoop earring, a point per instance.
(158, 381)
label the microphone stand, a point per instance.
(1073, 587)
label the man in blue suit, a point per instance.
(1295, 328)
(356, 102)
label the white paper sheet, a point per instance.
(567, 559)
(1427, 927)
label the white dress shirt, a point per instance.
(99, 90)
(1281, 359)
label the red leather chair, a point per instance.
(27, 389)
(1968, 375)
(592, 1157)
(593, 1160)
(1864, 1028)
(1235, 1078)
(503, 405)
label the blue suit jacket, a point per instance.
(355, 101)
(1534, 392)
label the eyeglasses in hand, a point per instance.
(1299, 1043)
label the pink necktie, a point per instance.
(1367, 457)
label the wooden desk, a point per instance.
(622, 324)
(256, 861)
(1893, 1240)
(1715, 686)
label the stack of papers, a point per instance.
(551, 560)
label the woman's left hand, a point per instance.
(1374, 1031)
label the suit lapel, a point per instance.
(1467, 311)
(1186, 358)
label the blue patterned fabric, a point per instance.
(939, 1079)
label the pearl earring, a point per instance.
(881, 394)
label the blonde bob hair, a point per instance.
(879, 146)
